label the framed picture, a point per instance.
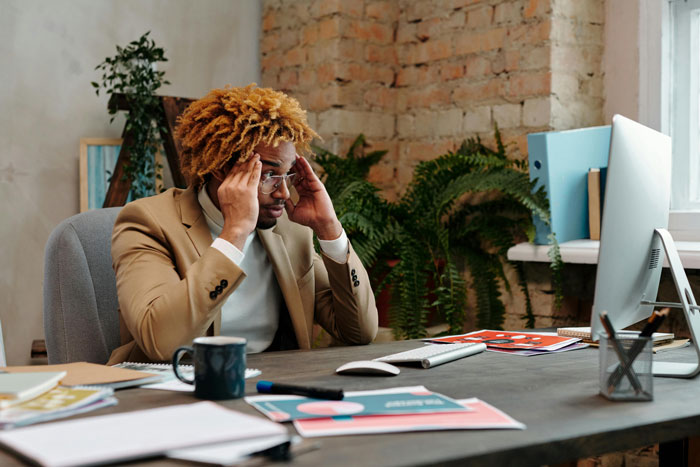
(98, 157)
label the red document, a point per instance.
(512, 340)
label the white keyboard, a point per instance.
(434, 354)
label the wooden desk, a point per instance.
(556, 396)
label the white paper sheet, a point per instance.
(133, 435)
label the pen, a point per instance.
(653, 325)
(267, 387)
(620, 351)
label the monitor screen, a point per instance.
(636, 201)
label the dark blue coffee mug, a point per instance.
(219, 367)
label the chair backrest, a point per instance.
(81, 320)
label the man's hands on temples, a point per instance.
(314, 208)
(238, 201)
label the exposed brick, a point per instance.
(378, 53)
(307, 77)
(429, 28)
(426, 151)
(270, 61)
(507, 12)
(536, 8)
(371, 32)
(350, 8)
(329, 28)
(326, 73)
(309, 35)
(456, 20)
(382, 97)
(462, 3)
(507, 115)
(322, 52)
(350, 122)
(530, 84)
(467, 93)
(289, 79)
(427, 98)
(512, 60)
(406, 32)
(294, 57)
(451, 71)
(269, 20)
(477, 120)
(478, 67)
(425, 52)
(383, 10)
(536, 58)
(269, 79)
(350, 50)
(269, 42)
(416, 11)
(536, 112)
(480, 17)
(449, 122)
(529, 33)
(472, 42)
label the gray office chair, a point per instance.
(81, 320)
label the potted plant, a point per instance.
(438, 227)
(133, 73)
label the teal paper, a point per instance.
(299, 408)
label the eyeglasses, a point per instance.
(270, 183)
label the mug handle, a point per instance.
(176, 361)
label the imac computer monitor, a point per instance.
(636, 202)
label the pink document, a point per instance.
(482, 416)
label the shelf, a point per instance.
(585, 251)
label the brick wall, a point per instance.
(419, 76)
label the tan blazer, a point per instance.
(168, 274)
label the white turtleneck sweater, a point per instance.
(252, 310)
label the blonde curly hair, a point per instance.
(227, 124)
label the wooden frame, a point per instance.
(88, 184)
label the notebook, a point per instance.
(584, 333)
(19, 387)
(91, 374)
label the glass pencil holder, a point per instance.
(625, 368)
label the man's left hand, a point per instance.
(314, 208)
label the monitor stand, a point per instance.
(690, 308)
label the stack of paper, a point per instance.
(57, 403)
(17, 388)
(517, 343)
(413, 408)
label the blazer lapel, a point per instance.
(198, 231)
(193, 218)
(279, 258)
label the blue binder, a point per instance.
(560, 161)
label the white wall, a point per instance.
(48, 52)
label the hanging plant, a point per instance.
(133, 72)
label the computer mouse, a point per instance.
(368, 367)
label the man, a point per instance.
(233, 254)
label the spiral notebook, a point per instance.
(169, 381)
(584, 333)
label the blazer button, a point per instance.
(213, 295)
(354, 277)
(224, 283)
(352, 272)
(218, 289)
(357, 283)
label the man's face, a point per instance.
(278, 160)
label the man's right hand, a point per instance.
(238, 201)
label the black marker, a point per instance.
(267, 387)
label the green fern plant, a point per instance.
(436, 229)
